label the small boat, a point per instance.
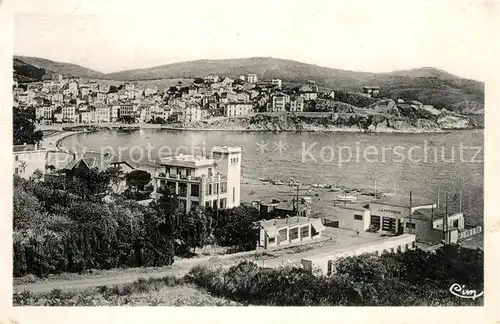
(334, 188)
(278, 182)
(315, 185)
(346, 198)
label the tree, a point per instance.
(193, 229)
(235, 227)
(157, 120)
(115, 175)
(127, 119)
(23, 128)
(198, 81)
(37, 175)
(21, 166)
(113, 89)
(137, 179)
(89, 183)
(26, 208)
(364, 268)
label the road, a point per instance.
(274, 258)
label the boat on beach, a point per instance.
(346, 198)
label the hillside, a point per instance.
(24, 72)
(429, 85)
(384, 116)
(51, 67)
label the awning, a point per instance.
(316, 223)
(272, 231)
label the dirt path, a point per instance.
(271, 258)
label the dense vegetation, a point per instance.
(57, 231)
(72, 230)
(23, 127)
(406, 279)
(24, 72)
(412, 278)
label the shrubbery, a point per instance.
(406, 279)
(55, 232)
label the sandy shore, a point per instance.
(53, 142)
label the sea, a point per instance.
(430, 165)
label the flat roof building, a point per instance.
(211, 182)
(283, 231)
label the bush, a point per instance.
(390, 280)
(54, 233)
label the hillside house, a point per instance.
(372, 91)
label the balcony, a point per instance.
(209, 179)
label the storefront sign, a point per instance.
(397, 212)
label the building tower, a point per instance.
(228, 162)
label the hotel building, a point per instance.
(212, 181)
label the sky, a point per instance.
(373, 36)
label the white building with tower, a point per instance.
(212, 181)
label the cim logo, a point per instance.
(462, 292)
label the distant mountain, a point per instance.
(51, 67)
(428, 85)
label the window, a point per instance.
(223, 187)
(17, 158)
(304, 232)
(455, 223)
(222, 203)
(171, 187)
(388, 224)
(195, 190)
(207, 204)
(282, 235)
(16, 171)
(410, 225)
(294, 233)
(234, 193)
(358, 217)
(214, 204)
(272, 240)
(182, 189)
(375, 221)
(217, 188)
(209, 189)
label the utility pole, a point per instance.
(438, 198)
(446, 218)
(295, 199)
(411, 224)
(460, 199)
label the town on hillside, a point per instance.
(81, 100)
